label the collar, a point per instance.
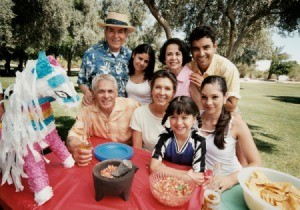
(210, 69)
(123, 50)
(183, 74)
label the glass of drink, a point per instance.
(86, 143)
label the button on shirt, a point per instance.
(115, 127)
(100, 60)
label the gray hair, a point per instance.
(100, 77)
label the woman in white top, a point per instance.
(141, 68)
(223, 131)
(146, 119)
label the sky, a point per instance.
(291, 45)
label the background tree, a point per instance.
(289, 16)
(83, 30)
(38, 23)
(6, 45)
(147, 31)
(294, 74)
(233, 20)
(280, 64)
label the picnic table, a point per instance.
(73, 189)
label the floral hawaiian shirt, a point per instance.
(99, 60)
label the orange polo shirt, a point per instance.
(116, 127)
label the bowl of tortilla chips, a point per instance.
(266, 188)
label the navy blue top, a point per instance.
(192, 152)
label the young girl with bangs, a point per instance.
(181, 144)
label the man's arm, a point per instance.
(231, 103)
(87, 95)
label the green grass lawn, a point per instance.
(271, 110)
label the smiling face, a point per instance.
(140, 62)
(105, 95)
(115, 38)
(181, 124)
(203, 51)
(162, 91)
(212, 99)
(174, 58)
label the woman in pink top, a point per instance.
(175, 54)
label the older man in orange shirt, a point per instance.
(109, 118)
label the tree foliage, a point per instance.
(295, 72)
(6, 17)
(69, 27)
(280, 65)
(147, 31)
(38, 23)
(82, 32)
(233, 20)
(289, 16)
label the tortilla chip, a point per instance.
(283, 195)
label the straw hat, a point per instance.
(119, 20)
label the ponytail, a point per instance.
(222, 128)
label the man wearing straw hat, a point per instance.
(107, 57)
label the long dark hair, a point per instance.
(140, 49)
(225, 117)
(180, 105)
(183, 48)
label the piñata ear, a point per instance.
(43, 66)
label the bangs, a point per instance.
(182, 107)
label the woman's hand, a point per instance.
(227, 182)
(197, 177)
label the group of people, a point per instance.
(185, 113)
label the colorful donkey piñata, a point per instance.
(28, 125)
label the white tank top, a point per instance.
(140, 92)
(227, 157)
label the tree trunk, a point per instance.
(155, 12)
(232, 29)
(269, 76)
(7, 63)
(21, 61)
(69, 66)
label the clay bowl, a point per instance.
(116, 186)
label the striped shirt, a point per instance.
(192, 152)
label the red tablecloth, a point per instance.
(73, 189)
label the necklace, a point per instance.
(207, 131)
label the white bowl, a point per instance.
(253, 201)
